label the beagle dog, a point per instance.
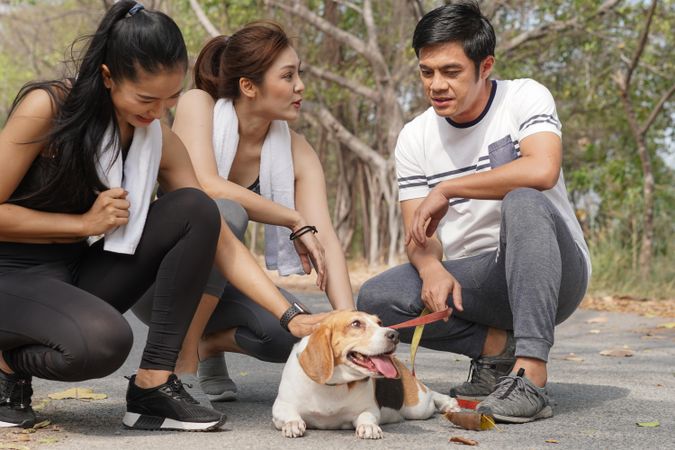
(344, 375)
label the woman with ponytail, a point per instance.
(78, 160)
(234, 126)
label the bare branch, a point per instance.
(369, 50)
(642, 42)
(370, 23)
(556, 26)
(417, 9)
(490, 7)
(318, 22)
(352, 85)
(349, 5)
(657, 109)
(362, 150)
(203, 19)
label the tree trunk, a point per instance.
(646, 247)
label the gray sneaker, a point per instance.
(215, 381)
(485, 373)
(517, 400)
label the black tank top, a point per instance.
(28, 195)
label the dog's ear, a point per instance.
(317, 358)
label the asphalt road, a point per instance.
(598, 400)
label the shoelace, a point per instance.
(475, 368)
(517, 382)
(178, 391)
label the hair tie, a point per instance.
(134, 9)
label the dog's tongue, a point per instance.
(385, 366)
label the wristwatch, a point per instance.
(295, 309)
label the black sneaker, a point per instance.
(15, 398)
(168, 407)
(485, 373)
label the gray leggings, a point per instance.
(258, 333)
(532, 282)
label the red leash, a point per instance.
(423, 320)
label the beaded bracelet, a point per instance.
(303, 230)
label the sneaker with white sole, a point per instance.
(215, 381)
(517, 400)
(485, 373)
(168, 407)
(15, 399)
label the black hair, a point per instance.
(460, 22)
(128, 38)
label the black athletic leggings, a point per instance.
(61, 305)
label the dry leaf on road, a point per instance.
(11, 446)
(599, 319)
(653, 424)
(463, 440)
(78, 394)
(471, 420)
(618, 352)
(570, 357)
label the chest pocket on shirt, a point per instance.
(502, 152)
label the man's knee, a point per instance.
(234, 215)
(522, 201)
(370, 298)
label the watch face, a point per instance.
(301, 307)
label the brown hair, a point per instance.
(248, 53)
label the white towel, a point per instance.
(277, 179)
(137, 175)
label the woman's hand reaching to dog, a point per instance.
(304, 324)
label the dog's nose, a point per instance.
(392, 335)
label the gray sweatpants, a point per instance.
(534, 280)
(258, 333)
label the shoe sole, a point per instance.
(153, 423)
(24, 424)
(545, 413)
(227, 396)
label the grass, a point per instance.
(614, 272)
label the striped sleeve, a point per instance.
(536, 112)
(412, 181)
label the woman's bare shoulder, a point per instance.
(299, 143)
(37, 104)
(196, 98)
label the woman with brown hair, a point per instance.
(235, 128)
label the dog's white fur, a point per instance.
(321, 387)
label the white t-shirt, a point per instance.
(431, 149)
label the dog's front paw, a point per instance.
(294, 428)
(369, 431)
(449, 404)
